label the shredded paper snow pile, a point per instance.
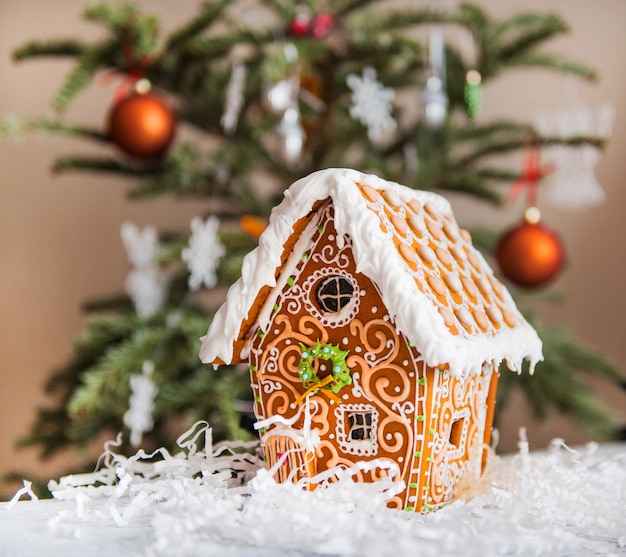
(222, 501)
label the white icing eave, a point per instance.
(413, 313)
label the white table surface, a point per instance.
(51, 528)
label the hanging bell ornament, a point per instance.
(473, 93)
(434, 102)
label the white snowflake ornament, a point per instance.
(574, 186)
(147, 287)
(203, 253)
(146, 283)
(141, 245)
(138, 418)
(371, 104)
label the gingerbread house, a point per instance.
(372, 329)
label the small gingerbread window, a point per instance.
(359, 426)
(455, 432)
(334, 293)
(357, 429)
(457, 438)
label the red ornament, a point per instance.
(530, 254)
(142, 125)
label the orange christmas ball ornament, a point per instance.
(530, 254)
(252, 226)
(142, 125)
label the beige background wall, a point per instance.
(59, 235)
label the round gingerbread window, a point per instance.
(334, 293)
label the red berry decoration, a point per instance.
(530, 254)
(142, 125)
(317, 27)
(321, 25)
(299, 27)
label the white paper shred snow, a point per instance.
(555, 502)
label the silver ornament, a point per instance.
(293, 135)
(280, 96)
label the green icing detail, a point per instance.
(417, 454)
(291, 281)
(409, 509)
(432, 431)
(430, 459)
(276, 307)
(320, 228)
(306, 256)
(420, 418)
(252, 367)
(413, 485)
(421, 380)
(260, 333)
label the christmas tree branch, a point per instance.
(102, 164)
(491, 147)
(285, 9)
(216, 46)
(207, 16)
(523, 32)
(347, 7)
(524, 25)
(558, 386)
(37, 49)
(467, 182)
(403, 19)
(489, 130)
(532, 60)
(12, 127)
(88, 64)
(50, 430)
(111, 16)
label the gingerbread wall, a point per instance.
(423, 419)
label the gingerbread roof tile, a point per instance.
(438, 288)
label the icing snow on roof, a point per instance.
(437, 287)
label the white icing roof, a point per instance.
(438, 289)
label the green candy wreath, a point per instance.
(340, 371)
